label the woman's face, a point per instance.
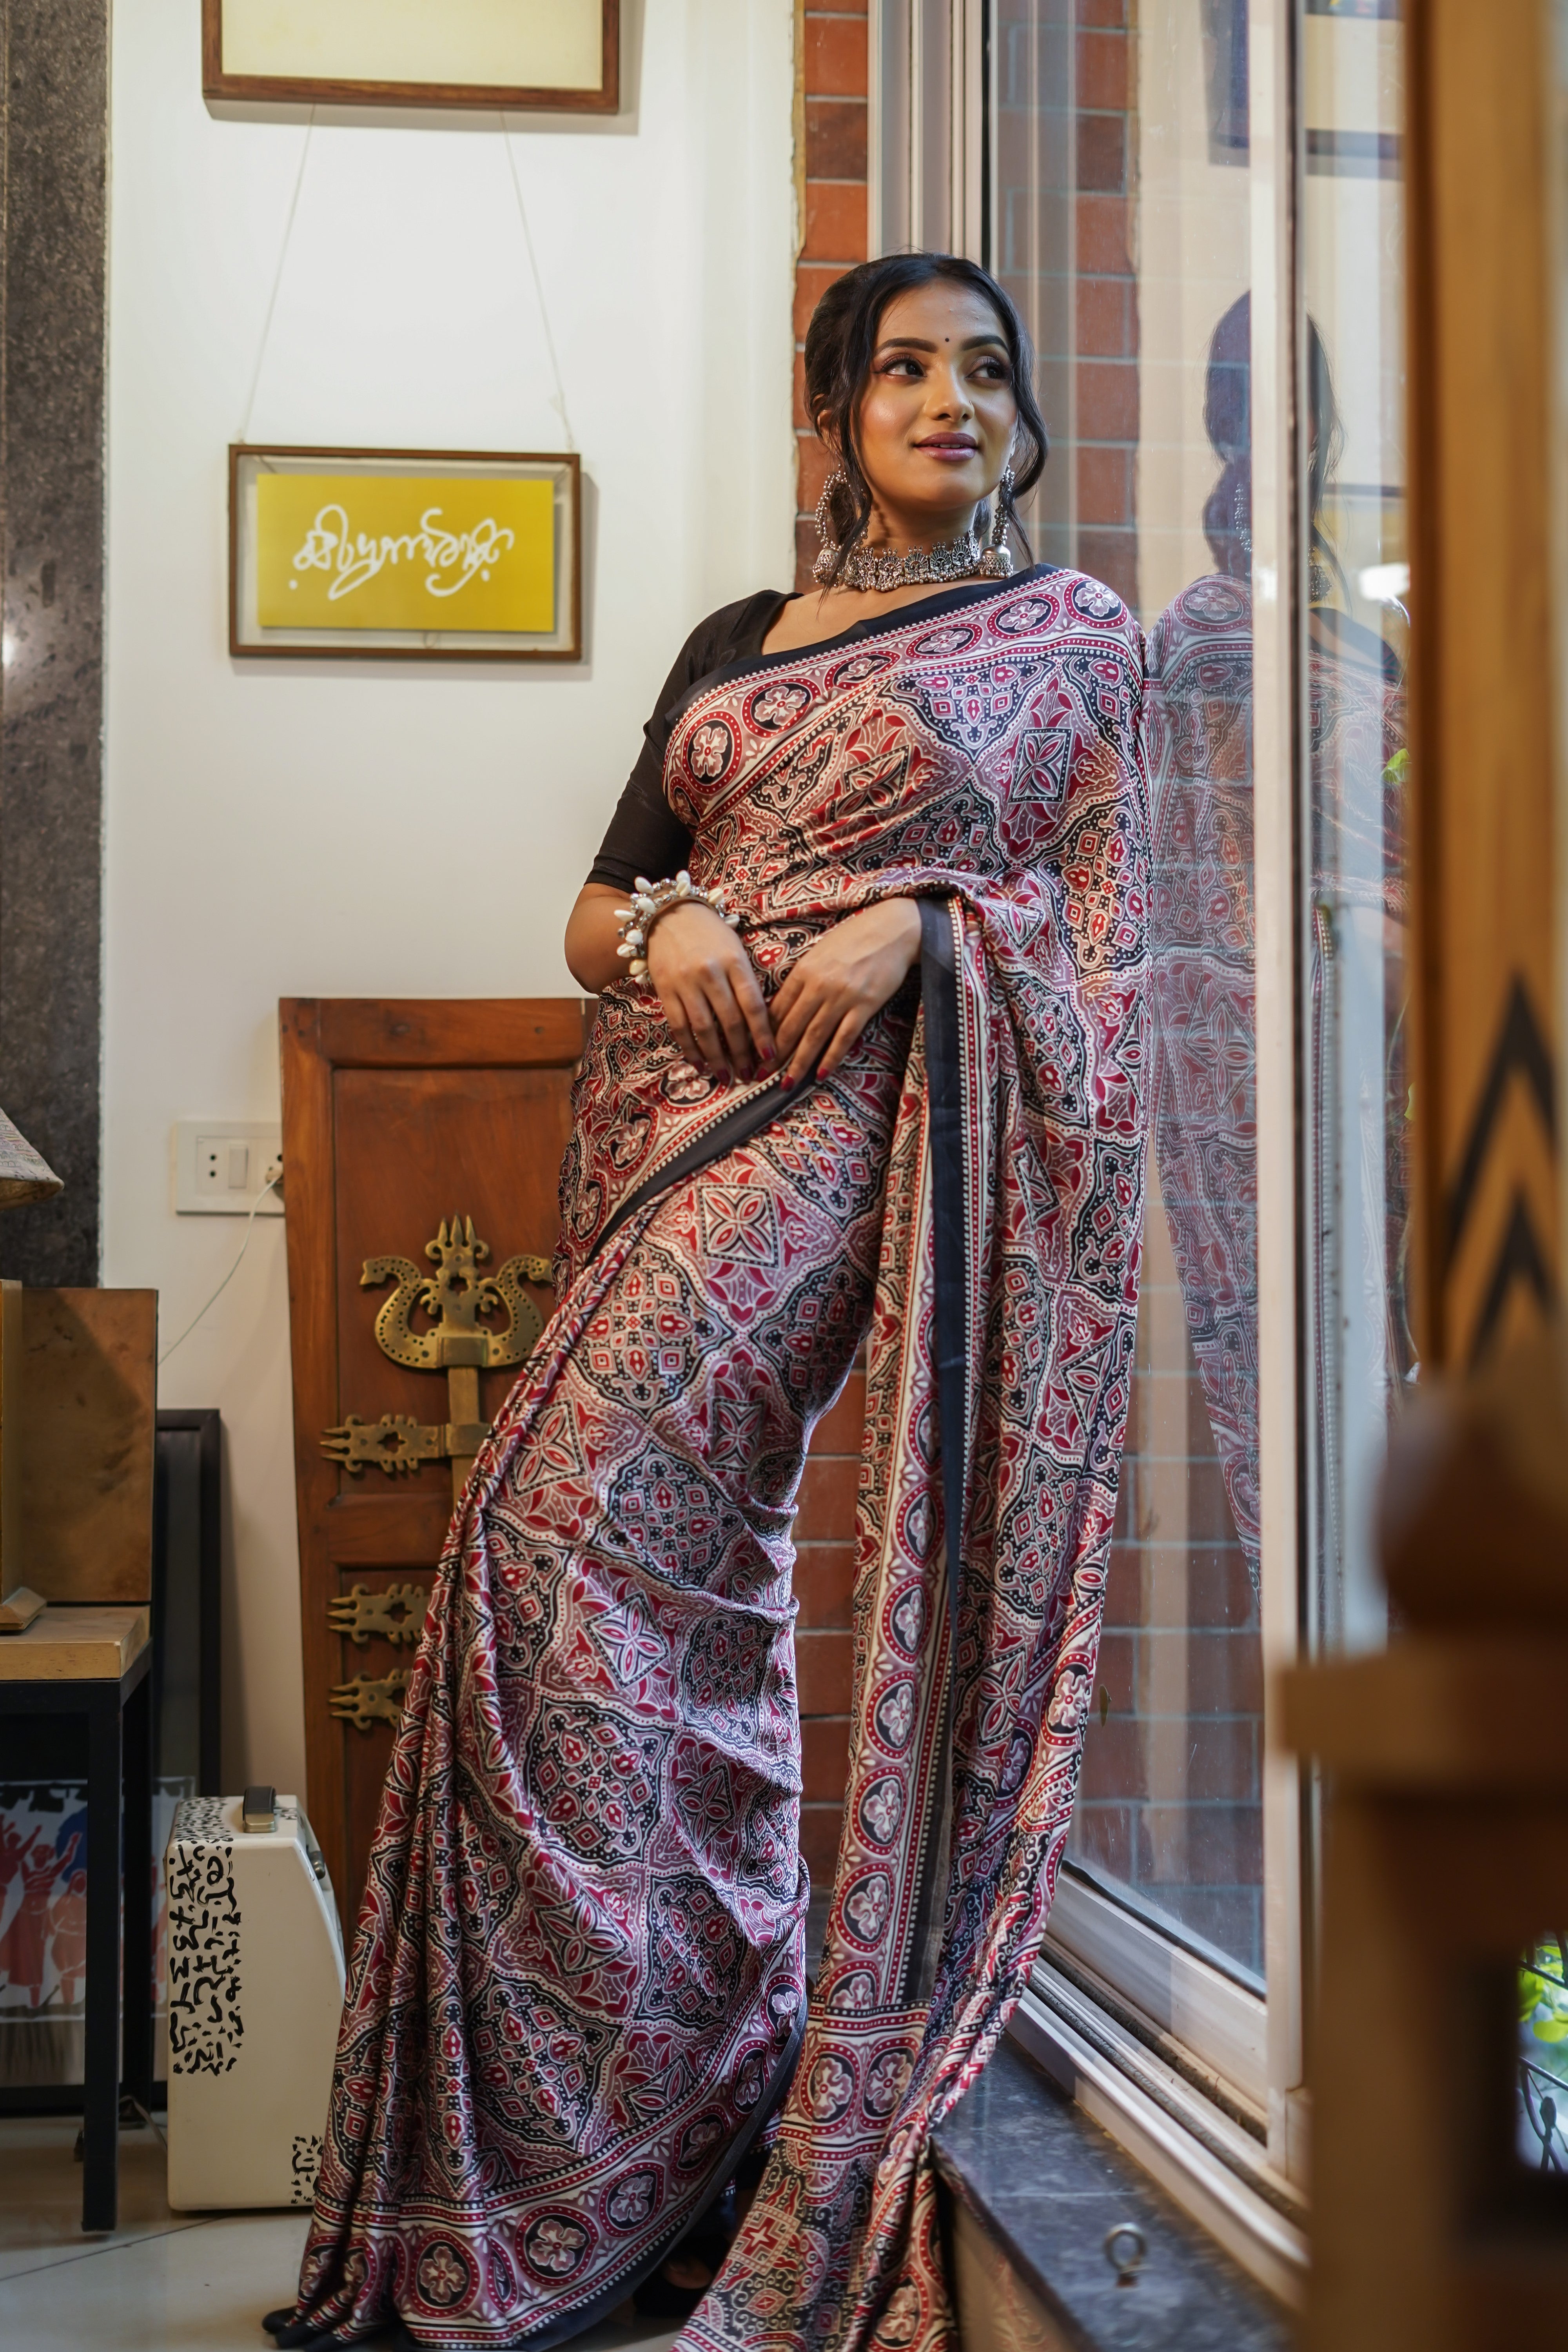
(936, 419)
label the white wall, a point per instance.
(278, 829)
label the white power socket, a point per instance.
(221, 1165)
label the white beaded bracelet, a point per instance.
(649, 901)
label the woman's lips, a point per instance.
(952, 453)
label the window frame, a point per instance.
(930, 164)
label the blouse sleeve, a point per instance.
(645, 834)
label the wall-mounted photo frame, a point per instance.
(523, 56)
(405, 554)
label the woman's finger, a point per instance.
(711, 1048)
(792, 1021)
(753, 1007)
(680, 1029)
(849, 1030)
(722, 1003)
(808, 1052)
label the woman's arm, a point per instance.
(707, 984)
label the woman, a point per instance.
(1201, 925)
(902, 1096)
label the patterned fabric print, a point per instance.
(1202, 932)
(996, 759)
(580, 1959)
(205, 2023)
(565, 2008)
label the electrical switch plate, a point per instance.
(222, 1164)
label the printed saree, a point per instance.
(577, 1991)
(1202, 930)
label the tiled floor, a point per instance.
(165, 2282)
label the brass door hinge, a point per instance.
(370, 1699)
(396, 1613)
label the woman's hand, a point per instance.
(709, 990)
(846, 976)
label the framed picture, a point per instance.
(405, 554)
(563, 54)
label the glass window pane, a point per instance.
(1122, 228)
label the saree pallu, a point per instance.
(577, 1990)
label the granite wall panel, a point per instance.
(53, 170)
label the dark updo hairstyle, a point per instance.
(840, 344)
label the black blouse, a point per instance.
(646, 837)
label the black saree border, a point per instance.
(728, 1129)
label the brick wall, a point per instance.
(832, 65)
(1066, 100)
(1171, 1801)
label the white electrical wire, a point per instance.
(559, 402)
(278, 279)
(270, 1186)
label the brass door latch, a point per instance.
(370, 1699)
(396, 1613)
(479, 1323)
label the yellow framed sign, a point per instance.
(405, 554)
(561, 56)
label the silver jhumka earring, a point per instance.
(936, 567)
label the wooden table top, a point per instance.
(74, 1643)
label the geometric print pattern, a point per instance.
(577, 1982)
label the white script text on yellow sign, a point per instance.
(405, 551)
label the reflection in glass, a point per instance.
(1124, 229)
(1541, 2105)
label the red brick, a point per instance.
(1201, 1845)
(821, 1827)
(1102, 12)
(1106, 400)
(829, 1486)
(1104, 1833)
(824, 1583)
(1104, 60)
(1113, 1764)
(824, 1758)
(810, 286)
(1105, 488)
(835, 57)
(1124, 1601)
(802, 421)
(815, 465)
(805, 546)
(1204, 1673)
(1102, 241)
(1102, 152)
(1107, 318)
(842, 1429)
(1111, 556)
(835, 139)
(835, 221)
(825, 1672)
(1211, 1760)
(1117, 1670)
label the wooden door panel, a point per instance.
(396, 1117)
(415, 1148)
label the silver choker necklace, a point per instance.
(922, 567)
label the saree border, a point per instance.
(875, 624)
